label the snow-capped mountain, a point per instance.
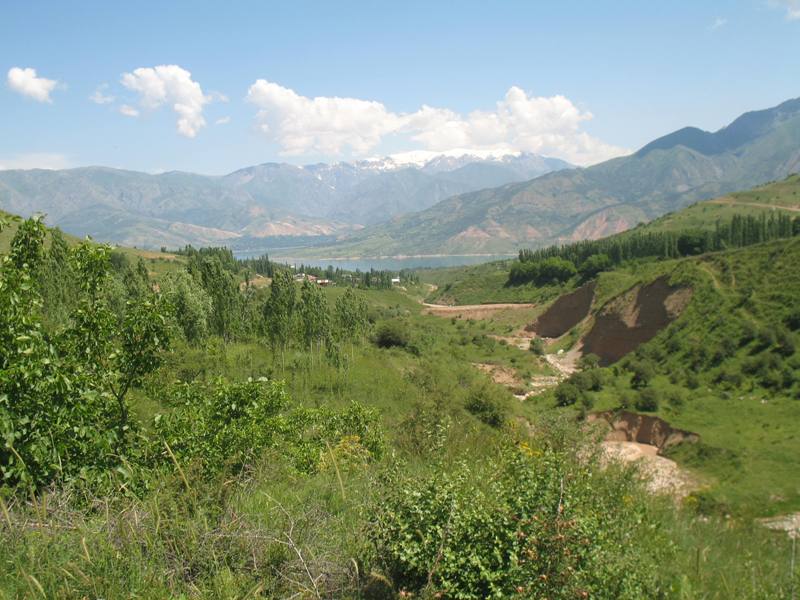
(260, 201)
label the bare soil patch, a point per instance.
(634, 318)
(662, 475)
(502, 375)
(641, 439)
(566, 312)
(789, 523)
(471, 311)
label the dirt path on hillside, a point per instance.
(470, 311)
(733, 202)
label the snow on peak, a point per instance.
(423, 158)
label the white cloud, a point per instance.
(25, 82)
(222, 121)
(325, 125)
(100, 96)
(173, 85)
(792, 8)
(717, 23)
(335, 126)
(36, 160)
(128, 111)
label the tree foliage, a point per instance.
(63, 393)
(593, 256)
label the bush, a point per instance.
(227, 425)
(533, 523)
(594, 265)
(537, 346)
(552, 270)
(648, 400)
(643, 372)
(567, 394)
(392, 334)
(485, 403)
(590, 361)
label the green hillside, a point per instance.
(487, 282)
(726, 368)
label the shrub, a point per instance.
(552, 270)
(648, 400)
(590, 361)
(392, 334)
(533, 523)
(643, 372)
(485, 403)
(227, 425)
(537, 346)
(567, 394)
(594, 265)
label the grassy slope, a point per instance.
(748, 428)
(749, 431)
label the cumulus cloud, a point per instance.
(322, 124)
(334, 126)
(170, 85)
(100, 96)
(128, 111)
(792, 8)
(26, 82)
(35, 160)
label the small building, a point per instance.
(395, 281)
(324, 282)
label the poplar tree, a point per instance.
(279, 311)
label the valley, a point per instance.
(661, 387)
(399, 301)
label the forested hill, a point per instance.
(597, 201)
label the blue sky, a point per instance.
(306, 81)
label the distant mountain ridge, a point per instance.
(272, 199)
(665, 175)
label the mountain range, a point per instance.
(665, 175)
(417, 203)
(272, 200)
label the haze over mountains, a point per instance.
(273, 199)
(666, 174)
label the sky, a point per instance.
(212, 87)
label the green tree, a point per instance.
(63, 410)
(350, 313)
(314, 316)
(279, 311)
(220, 283)
(191, 303)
